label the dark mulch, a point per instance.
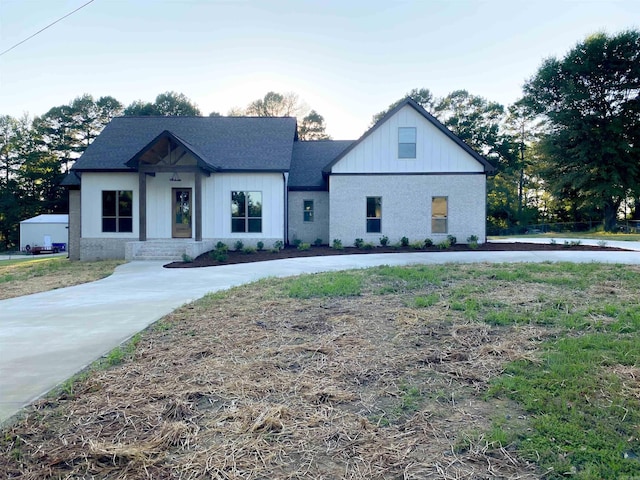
(205, 260)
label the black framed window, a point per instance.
(246, 212)
(439, 214)
(308, 210)
(117, 211)
(407, 142)
(374, 214)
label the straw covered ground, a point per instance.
(383, 377)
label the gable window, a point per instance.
(439, 214)
(246, 212)
(117, 211)
(308, 210)
(407, 142)
(374, 214)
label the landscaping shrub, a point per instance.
(186, 258)
(317, 242)
(303, 246)
(417, 245)
(260, 246)
(404, 241)
(368, 246)
(358, 242)
(337, 244)
(428, 243)
(249, 250)
(278, 245)
(443, 245)
(384, 240)
(296, 242)
(452, 240)
(222, 246)
(472, 241)
(239, 245)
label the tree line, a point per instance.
(567, 151)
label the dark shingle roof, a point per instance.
(309, 158)
(71, 180)
(488, 167)
(223, 143)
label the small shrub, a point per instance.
(220, 256)
(278, 245)
(384, 240)
(303, 246)
(452, 240)
(296, 242)
(472, 242)
(239, 245)
(260, 246)
(249, 250)
(222, 246)
(368, 246)
(186, 258)
(358, 243)
(404, 241)
(553, 242)
(575, 243)
(443, 245)
(337, 244)
(428, 243)
(417, 245)
(602, 243)
(317, 242)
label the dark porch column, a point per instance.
(142, 204)
(198, 200)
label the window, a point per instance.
(308, 210)
(374, 214)
(246, 212)
(439, 215)
(117, 211)
(407, 142)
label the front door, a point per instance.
(181, 208)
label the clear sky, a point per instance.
(347, 59)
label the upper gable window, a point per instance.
(407, 142)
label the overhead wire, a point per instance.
(43, 29)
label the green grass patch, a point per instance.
(582, 419)
(335, 284)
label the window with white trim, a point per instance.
(407, 142)
(246, 212)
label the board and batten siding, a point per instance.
(93, 184)
(216, 208)
(406, 206)
(435, 152)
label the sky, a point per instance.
(346, 59)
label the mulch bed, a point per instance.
(234, 257)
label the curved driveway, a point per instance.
(47, 337)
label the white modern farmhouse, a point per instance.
(161, 187)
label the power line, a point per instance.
(43, 29)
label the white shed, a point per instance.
(45, 230)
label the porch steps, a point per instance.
(165, 250)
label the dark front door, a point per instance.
(181, 213)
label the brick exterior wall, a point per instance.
(309, 231)
(406, 206)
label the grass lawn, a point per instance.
(450, 371)
(26, 275)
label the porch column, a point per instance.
(142, 206)
(198, 201)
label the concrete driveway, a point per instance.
(47, 337)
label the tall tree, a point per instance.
(312, 127)
(422, 96)
(591, 99)
(166, 104)
(311, 124)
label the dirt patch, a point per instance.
(234, 257)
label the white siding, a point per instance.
(216, 204)
(91, 193)
(435, 152)
(159, 213)
(406, 206)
